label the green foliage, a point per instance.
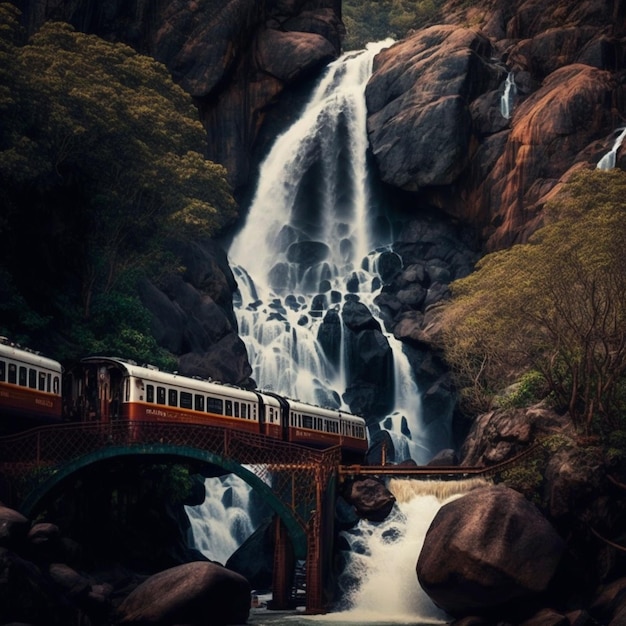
(556, 305)
(527, 478)
(101, 166)
(170, 483)
(528, 390)
(374, 20)
(616, 447)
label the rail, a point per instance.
(452, 472)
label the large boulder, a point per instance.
(13, 527)
(418, 101)
(196, 594)
(487, 549)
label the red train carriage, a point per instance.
(30, 387)
(111, 388)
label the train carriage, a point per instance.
(112, 388)
(30, 387)
(320, 427)
(106, 389)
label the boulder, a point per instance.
(196, 594)
(13, 527)
(370, 499)
(487, 549)
(418, 99)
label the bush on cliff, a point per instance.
(555, 305)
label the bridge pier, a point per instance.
(282, 575)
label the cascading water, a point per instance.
(380, 581)
(309, 244)
(607, 162)
(222, 522)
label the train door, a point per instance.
(104, 393)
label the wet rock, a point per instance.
(370, 499)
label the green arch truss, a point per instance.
(63, 472)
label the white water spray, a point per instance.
(384, 555)
(222, 522)
(607, 162)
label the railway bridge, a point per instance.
(298, 483)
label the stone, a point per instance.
(370, 499)
(487, 549)
(196, 594)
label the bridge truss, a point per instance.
(299, 480)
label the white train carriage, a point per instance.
(30, 386)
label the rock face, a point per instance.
(235, 57)
(435, 120)
(192, 316)
(487, 549)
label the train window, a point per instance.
(55, 385)
(199, 402)
(228, 407)
(3, 371)
(42, 381)
(149, 393)
(186, 400)
(307, 421)
(244, 410)
(214, 405)
(236, 411)
(22, 376)
(160, 395)
(172, 397)
(48, 382)
(12, 373)
(32, 378)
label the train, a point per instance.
(103, 388)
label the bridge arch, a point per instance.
(172, 451)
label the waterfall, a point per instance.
(508, 97)
(222, 522)
(310, 242)
(379, 580)
(607, 162)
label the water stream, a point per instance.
(310, 242)
(607, 162)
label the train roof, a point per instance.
(14, 351)
(152, 373)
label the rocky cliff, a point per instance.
(438, 130)
(436, 126)
(235, 57)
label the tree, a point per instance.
(101, 163)
(556, 305)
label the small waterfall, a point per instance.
(507, 99)
(222, 522)
(379, 579)
(607, 162)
